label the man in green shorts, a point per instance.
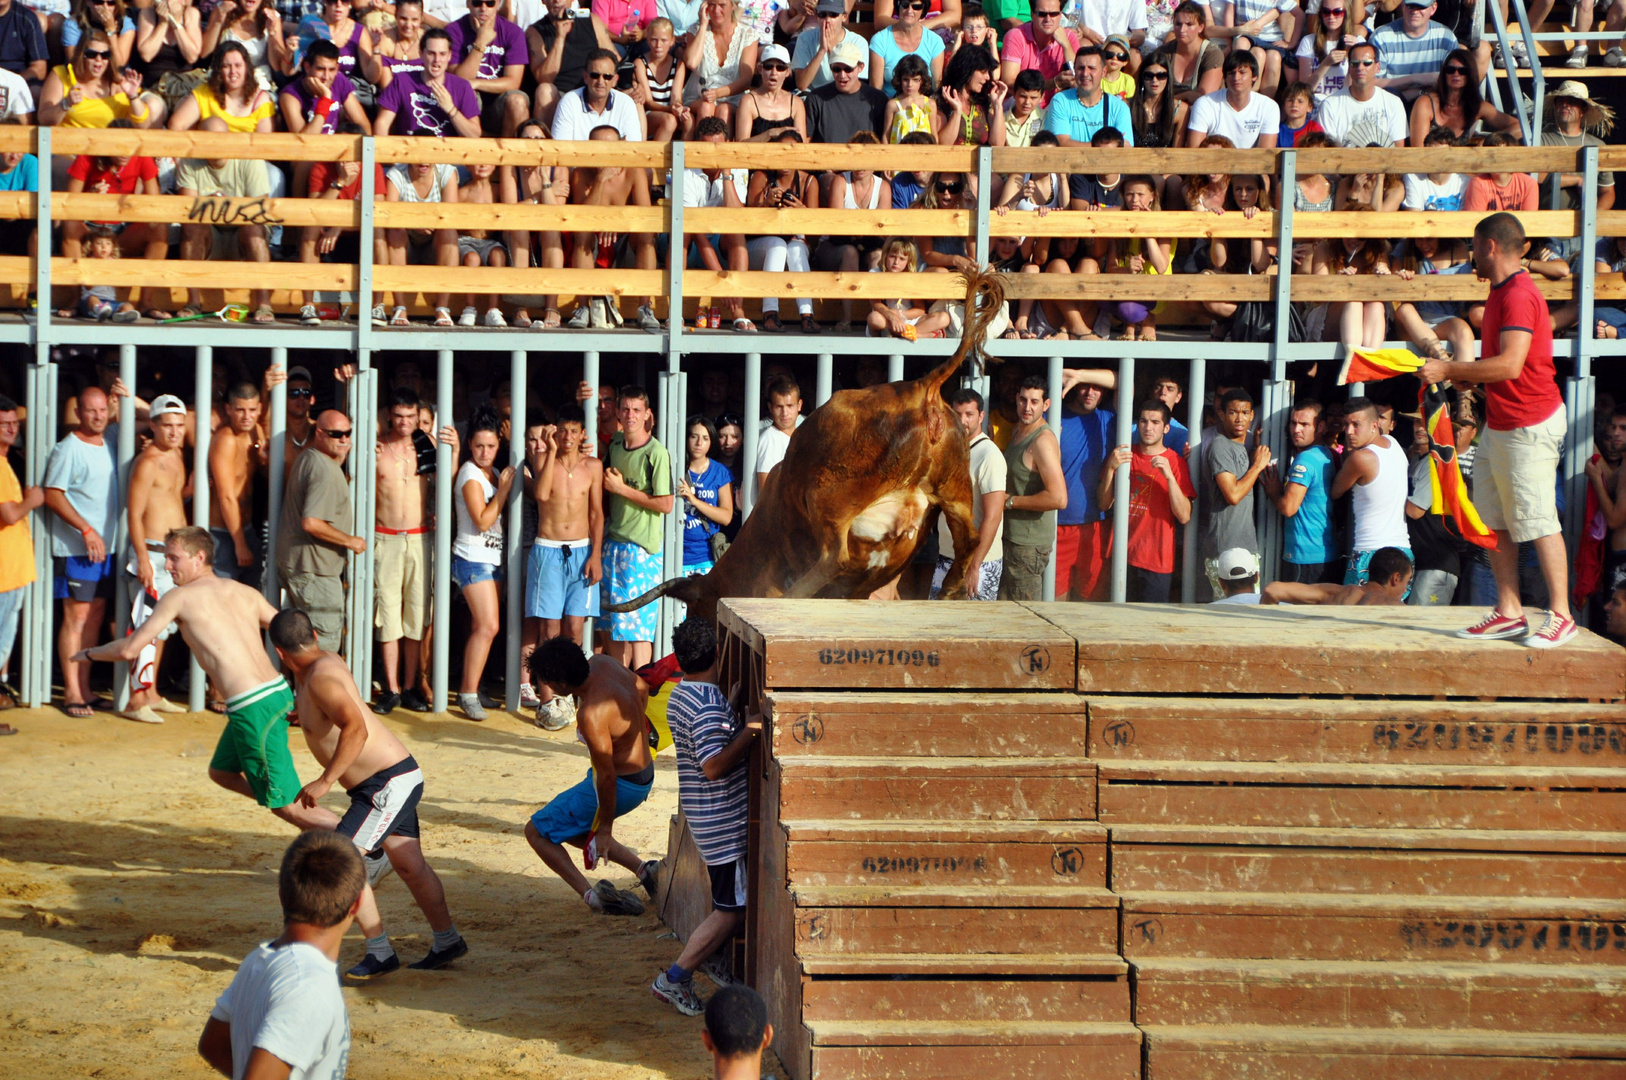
(222, 621)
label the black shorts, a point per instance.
(728, 883)
(383, 805)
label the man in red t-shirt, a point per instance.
(1516, 472)
(1160, 494)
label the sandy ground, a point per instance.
(131, 886)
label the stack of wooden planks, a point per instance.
(1184, 843)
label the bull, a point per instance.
(861, 483)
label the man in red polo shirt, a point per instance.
(1516, 472)
(1160, 494)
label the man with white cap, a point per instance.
(1574, 119)
(1238, 573)
(154, 505)
(810, 63)
(849, 104)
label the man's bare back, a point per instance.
(324, 688)
(401, 492)
(222, 621)
(608, 186)
(612, 700)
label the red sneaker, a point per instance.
(1554, 632)
(1496, 627)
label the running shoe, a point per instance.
(308, 315)
(680, 996)
(646, 876)
(468, 317)
(1577, 57)
(1615, 57)
(378, 867)
(1495, 627)
(552, 715)
(1554, 632)
(379, 318)
(371, 967)
(527, 696)
(494, 319)
(579, 318)
(647, 320)
(472, 707)
(439, 958)
(614, 901)
(718, 968)
(386, 704)
(415, 701)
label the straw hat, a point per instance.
(1598, 118)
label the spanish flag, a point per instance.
(1445, 471)
(1375, 365)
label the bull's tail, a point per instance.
(682, 588)
(984, 296)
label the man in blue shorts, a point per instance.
(637, 493)
(561, 582)
(713, 789)
(610, 720)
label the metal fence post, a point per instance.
(364, 273)
(1191, 561)
(985, 202)
(1580, 390)
(753, 418)
(1054, 420)
(677, 254)
(824, 380)
(354, 465)
(42, 223)
(445, 525)
(590, 374)
(121, 534)
(1124, 436)
(203, 394)
(894, 368)
(276, 463)
(514, 555)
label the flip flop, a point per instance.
(101, 704)
(263, 315)
(216, 706)
(744, 326)
(79, 710)
(522, 319)
(551, 319)
(156, 315)
(7, 729)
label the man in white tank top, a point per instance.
(1375, 470)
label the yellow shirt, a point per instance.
(16, 545)
(1122, 84)
(90, 112)
(209, 105)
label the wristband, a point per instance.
(86, 531)
(323, 106)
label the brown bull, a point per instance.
(843, 513)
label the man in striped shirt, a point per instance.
(1411, 50)
(712, 748)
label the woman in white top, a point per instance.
(422, 183)
(722, 59)
(481, 494)
(257, 26)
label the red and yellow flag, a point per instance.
(1375, 365)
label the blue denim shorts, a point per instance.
(466, 573)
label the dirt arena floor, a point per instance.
(131, 886)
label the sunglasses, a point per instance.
(96, 54)
(953, 188)
(1362, 63)
(730, 419)
(916, 6)
(340, 434)
(601, 76)
(1329, 13)
(840, 69)
(482, 3)
(1118, 56)
(307, 392)
(1454, 69)
(1047, 14)
(1150, 75)
(774, 65)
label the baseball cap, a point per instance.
(166, 405)
(1118, 40)
(1237, 564)
(774, 52)
(831, 7)
(852, 51)
(299, 371)
(1420, 3)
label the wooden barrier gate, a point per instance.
(1179, 843)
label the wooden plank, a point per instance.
(1265, 869)
(1264, 774)
(895, 725)
(1308, 931)
(821, 157)
(1512, 840)
(759, 221)
(835, 932)
(918, 645)
(1309, 650)
(960, 965)
(1117, 1059)
(1069, 1001)
(938, 789)
(1190, 224)
(1487, 733)
(995, 853)
(684, 894)
(117, 142)
(774, 971)
(959, 896)
(1135, 803)
(1361, 994)
(823, 285)
(970, 1032)
(633, 155)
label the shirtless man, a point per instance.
(561, 585)
(1387, 584)
(610, 185)
(610, 720)
(236, 450)
(1607, 480)
(401, 554)
(221, 621)
(384, 783)
(157, 486)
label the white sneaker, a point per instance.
(494, 319)
(379, 318)
(469, 317)
(527, 696)
(1577, 57)
(554, 715)
(308, 315)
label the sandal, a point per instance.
(263, 315)
(522, 319)
(810, 325)
(216, 705)
(78, 710)
(551, 319)
(7, 729)
(1029, 335)
(188, 312)
(399, 318)
(1010, 335)
(443, 317)
(770, 323)
(845, 326)
(743, 325)
(155, 314)
(1605, 331)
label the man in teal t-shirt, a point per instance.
(1310, 549)
(637, 494)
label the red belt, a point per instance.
(400, 532)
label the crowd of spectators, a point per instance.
(1027, 73)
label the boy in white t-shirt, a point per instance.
(283, 1014)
